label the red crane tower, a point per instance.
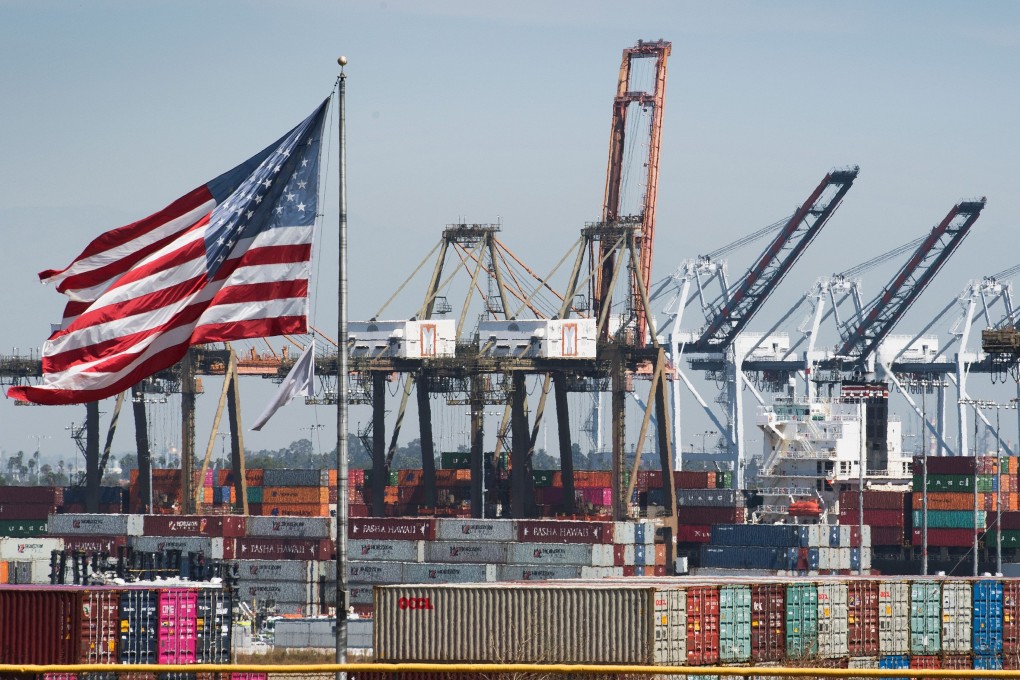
(625, 98)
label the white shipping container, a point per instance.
(489, 552)
(844, 538)
(450, 529)
(865, 558)
(390, 551)
(893, 611)
(844, 556)
(833, 642)
(818, 536)
(95, 524)
(448, 573)
(524, 572)
(957, 616)
(277, 570)
(358, 593)
(27, 549)
(550, 553)
(375, 572)
(671, 628)
(210, 547)
(289, 527)
(628, 555)
(600, 572)
(623, 533)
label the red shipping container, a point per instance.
(14, 510)
(956, 662)
(619, 558)
(711, 515)
(862, 617)
(100, 626)
(1011, 520)
(694, 533)
(250, 548)
(951, 538)
(702, 625)
(564, 531)
(392, 528)
(768, 622)
(49, 636)
(947, 465)
(41, 495)
(357, 510)
(693, 480)
(214, 526)
(887, 535)
(1010, 617)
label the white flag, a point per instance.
(299, 381)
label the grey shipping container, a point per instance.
(712, 498)
(321, 633)
(375, 572)
(288, 527)
(390, 551)
(449, 529)
(210, 547)
(587, 623)
(279, 591)
(277, 570)
(893, 618)
(295, 477)
(465, 551)
(548, 553)
(431, 572)
(96, 524)
(528, 572)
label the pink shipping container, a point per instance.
(598, 496)
(178, 626)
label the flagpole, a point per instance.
(341, 397)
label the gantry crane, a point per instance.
(735, 308)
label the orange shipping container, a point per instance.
(254, 476)
(949, 501)
(4, 572)
(409, 477)
(295, 494)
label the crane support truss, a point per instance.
(784, 250)
(625, 97)
(911, 280)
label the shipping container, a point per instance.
(214, 625)
(801, 621)
(448, 573)
(530, 572)
(139, 627)
(283, 548)
(569, 624)
(392, 528)
(213, 526)
(548, 554)
(103, 525)
(392, 551)
(177, 642)
(564, 531)
(451, 529)
(50, 635)
(768, 622)
(987, 622)
(29, 548)
(480, 552)
(734, 623)
(294, 477)
(702, 625)
(925, 618)
(23, 528)
(862, 617)
(278, 570)
(957, 615)
(289, 527)
(13, 511)
(1011, 617)
(832, 620)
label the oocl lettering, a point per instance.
(414, 603)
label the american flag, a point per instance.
(227, 261)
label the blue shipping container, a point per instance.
(768, 535)
(987, 621)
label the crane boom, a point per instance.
(773, 264)
(910, 281)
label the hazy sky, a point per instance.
(486, 112)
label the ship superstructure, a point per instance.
(813, 449)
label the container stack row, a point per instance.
(455, 550)
(805, 549)
(856, 622)
(884, 511)
(109, 625)
(964, 496)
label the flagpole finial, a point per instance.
(342, 60)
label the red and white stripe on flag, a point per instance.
(227, 261)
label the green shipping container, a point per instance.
(734, 623)
(1010, 538)
(925, 618)
(987, 484)
(392, 481)
(23, 528)
(455, 460)
(801, 621)
(951, 519)
(542, 477)
(951, 483)
(724, 480)
(254, 494)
